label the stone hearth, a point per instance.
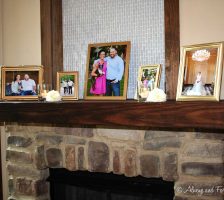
(193, 160)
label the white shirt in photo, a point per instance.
(64, 84)
(28, 84)
(15, 87)
(70, 83)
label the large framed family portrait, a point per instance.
(22, 82)
(67, 85)
(148, 79)
(107, 71)
(200, 72)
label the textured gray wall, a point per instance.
(97, 21)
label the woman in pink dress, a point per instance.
(98, 74)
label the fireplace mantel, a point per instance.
(130, 113)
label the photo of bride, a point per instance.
(199, 74)
(199, 89)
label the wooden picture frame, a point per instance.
(148, 79)
(200, 72)
(111, 84)
(67, 85)
(21, 82)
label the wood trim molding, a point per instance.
(1, 156)
(172, 46)
(4, 173)
(51, 39)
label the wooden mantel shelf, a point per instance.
(171, 114)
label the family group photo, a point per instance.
(21, 83)
(107, 69)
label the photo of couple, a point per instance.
(107, 71)
(67, 85)
(21, 84)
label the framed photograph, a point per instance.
(21, 82)
(107, 71)
(200, 72)
(222, 85)
(148, 79)
(67, 85)
(0, 82)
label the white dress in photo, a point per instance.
(198, 88)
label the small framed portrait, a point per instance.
(107, 71)
(67, 85)
(148, 79)
(200, 72)
(21, 82)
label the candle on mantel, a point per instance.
(38, 89)
(44, 94)
(44, 86)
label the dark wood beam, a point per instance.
(46, 40)
(172, 46)
(57, 39)
(171, 114)
(51, 39)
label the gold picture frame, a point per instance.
(21, 82)
(148, 79)
(67, 85)
(1, 82)
(200, 72)
(115, 86)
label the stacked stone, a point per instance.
(201, 168)
(27, 180)
(186, 158)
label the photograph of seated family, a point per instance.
(21, 83)
(107, 71)
(199, 76)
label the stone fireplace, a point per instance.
(193, 160)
